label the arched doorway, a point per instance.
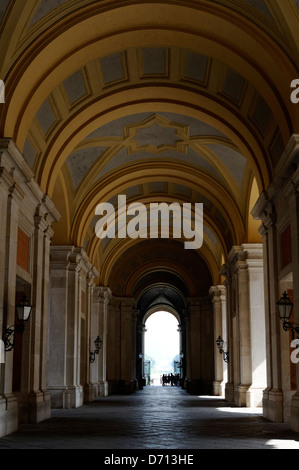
(161, 305)
(161, 347)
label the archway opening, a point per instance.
(161, 347)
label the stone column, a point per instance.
(113, 346)
(229, 308)
(128, 345)
(247, 337)
(39, 407)
(74, 387)
(48, 234)
(121, 346)
(139, 348)
(224, 331)
(272, 396)
(26, 210)
(70, 316)
(278, 209)
(293, 198)
(89, 335)
(8, 401)
(216, 292)
(188, 347)
(6, 421)
(257, 323)
(194, 356)
(58, 306)
(244, 367)
(101, 299)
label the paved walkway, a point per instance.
(155, 418)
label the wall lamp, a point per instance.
(285, 308)
(93, 354)
(220, 345)
(23, 310)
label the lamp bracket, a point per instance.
(92, 356)
(10, 335)
(288, 325)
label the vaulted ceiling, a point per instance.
(184, 101)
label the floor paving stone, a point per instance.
(155, 418)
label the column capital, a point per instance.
(60, 257)
(216, 292)
(103, 294)
(16, 193)
(40, 223)
(6, 178)
(49, 233)
(262, 230)
(92, 275)
(224, 271)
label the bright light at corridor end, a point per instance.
(162, 343)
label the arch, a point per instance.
(161, 308)
(108, 187)
(161, 296)
(143, 100)
(60, 50)
(252, 224)
(159, 257)
(50, 65)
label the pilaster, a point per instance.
(246, 325)
(71, 304)
(276, 208)
(121, 338)
(217, 293)
(101, 298)
(25, 209)
(293, 196)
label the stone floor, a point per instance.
(154, 418)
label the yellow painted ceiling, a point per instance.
(185, 101)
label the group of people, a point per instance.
(170, 379)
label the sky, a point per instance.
(161, 341)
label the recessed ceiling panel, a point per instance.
(80, 162)
(45, 7)
(75, 87)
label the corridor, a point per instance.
(154, 418)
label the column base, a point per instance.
(89, 393)
(295, 412)
(8, 415)
(66, 397)
(103, 389)
(240, 395)
(218, 388)
(35, 408)
(229, 392)
(273, 405)
(57, 397)
(74, 397)
(254, 397)
(248, 396)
